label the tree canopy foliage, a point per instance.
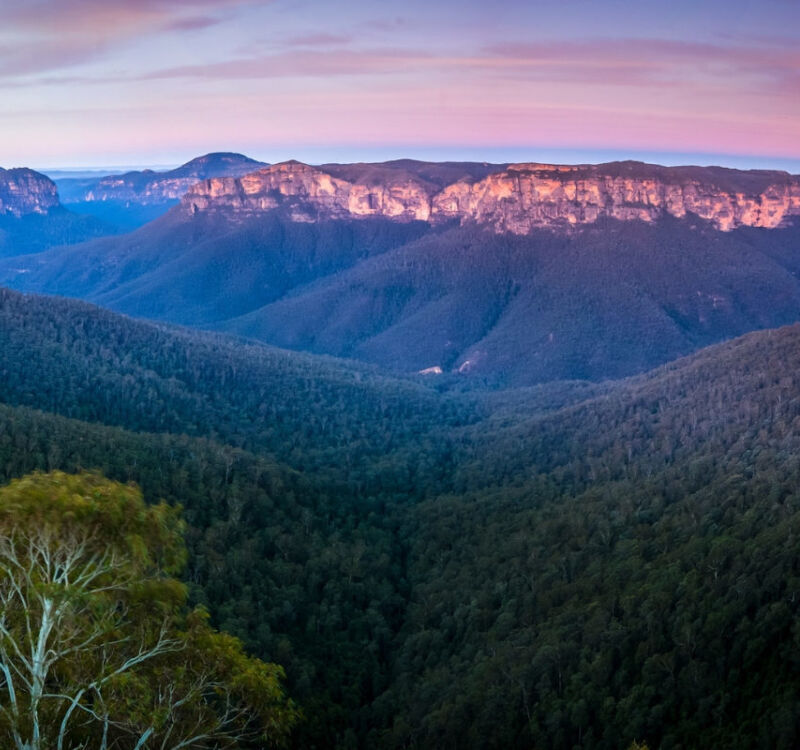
(97, 647)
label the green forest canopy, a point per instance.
(564, 566)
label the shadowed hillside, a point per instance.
(605, 301)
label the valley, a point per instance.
(460, 536)
(522, 545)
(612, 270)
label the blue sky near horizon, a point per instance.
(477, 154)
(156, 82)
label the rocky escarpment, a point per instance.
(311, 193)
(526, 196)
(148, 187)
(23, 191)
(517, 198)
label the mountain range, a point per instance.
(486, 273)
(37, 212)
(511, 199)
(148, 186)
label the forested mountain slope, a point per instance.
(609, 300)
(296, 555)
(624, 567)
(80, 361)
(205, 269)
(565, 565)
(272, 551)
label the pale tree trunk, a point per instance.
(37, 631)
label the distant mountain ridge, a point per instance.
(148, 186)
(516, 198)
(128, 201)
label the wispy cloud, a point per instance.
(118, 18)
(395, 23)
(319, 40)
(650, 61)
(138, 72)
(191, 23)
(46, 35)
(41, 56)
(303, 63)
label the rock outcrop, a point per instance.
(526, 196)
(312, 193)
(23, 191)
(516, 199)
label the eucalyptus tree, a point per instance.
(97, 646)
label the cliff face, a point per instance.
(148, 187)
(312, 193)
(142, 187)
(525, 196)
(23, 191)
(516, 199)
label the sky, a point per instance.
(88, 83)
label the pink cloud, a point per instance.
(383, 80)
(303, 63)
(649, 61)
(191, 23)
(319, 40)
(96, 21)
(46, 35)
(40, 56)
(101, 16)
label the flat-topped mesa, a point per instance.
(312, 193)
(515, 199)
(23, 192)
(526, 196)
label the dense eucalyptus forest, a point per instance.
(567, 565)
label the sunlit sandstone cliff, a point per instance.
(530, 195)
(312, 192)
(23, 191)
(518, 198)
